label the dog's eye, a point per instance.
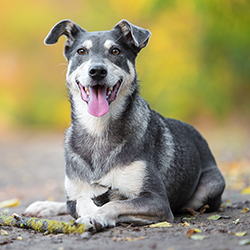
(81, 51)
(115, 51)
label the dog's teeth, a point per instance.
(109, 92)
(87, 92)
(87, 88)
(110, 88)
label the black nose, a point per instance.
(98, 71)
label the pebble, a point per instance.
(86, 235)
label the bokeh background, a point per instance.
(196, 68)
(197, 63)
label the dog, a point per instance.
(124, 161)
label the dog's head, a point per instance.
(101, 64)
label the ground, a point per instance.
(32, 168)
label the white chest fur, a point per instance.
(128, 180)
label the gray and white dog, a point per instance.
(124, 161)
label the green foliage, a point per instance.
(197, 61)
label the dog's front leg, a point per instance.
(145, 209)
(84, 209)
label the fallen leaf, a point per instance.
(185, 224)
(161, 224)
(19, 238)
(226, 204)
(188, 218)
(197, 237)
(236, 221)
(191, 231)
(245, 191)
(244, 242)
(214, 217)
(245, 210)
(3, 232)
(239, 234)
(10, 203)
(197, 230)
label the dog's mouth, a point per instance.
(99, 97)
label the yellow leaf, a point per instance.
(244, 242)
(10, 203)
(161, 224)
(245, 210)
(192, 231)
(214, 217)
(19, 238)
(245, 190)
(197, 237)
(236, 221)
(239, 234)
(197, 230)
(3, 232)
(185, 224)
(226, 204)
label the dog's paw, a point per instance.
(98, 220)
(45, 209)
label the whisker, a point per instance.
(118, 38)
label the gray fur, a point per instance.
(170, 160)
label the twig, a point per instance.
(41, 225)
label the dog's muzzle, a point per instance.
(98, 95)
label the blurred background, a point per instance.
(196, 68)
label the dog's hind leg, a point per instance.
(45, 209)
(209, 190)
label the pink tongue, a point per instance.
(98, 105)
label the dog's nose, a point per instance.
(98, 71)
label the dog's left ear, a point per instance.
(136, 35)
(65, 27)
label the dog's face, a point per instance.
(101, 64)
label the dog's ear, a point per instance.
(134, 34)
(64, 27)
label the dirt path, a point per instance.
(32, 168)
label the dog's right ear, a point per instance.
(64, 27)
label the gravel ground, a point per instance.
(32, 168)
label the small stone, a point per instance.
(86, 235)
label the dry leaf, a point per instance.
(239, 234)
(245, 210)
(244, 242)
(161, 224)
(191, 231)
(245, 191)
(3, 232)
(197, 237)
(214, 217)
(19, 238)
(10, 203)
